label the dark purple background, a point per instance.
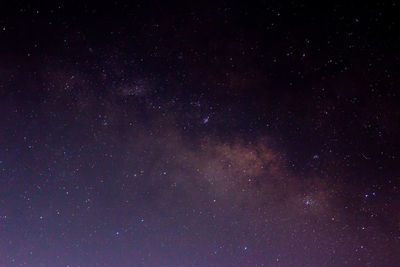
(159, 134)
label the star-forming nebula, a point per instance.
(158, 134)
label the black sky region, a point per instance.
(264, 133)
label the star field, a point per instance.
(155, 134)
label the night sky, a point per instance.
(158, 134)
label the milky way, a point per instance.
(156, 135)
